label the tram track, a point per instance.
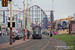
(57, 44)
(21, 45)
(33, 45)
(45, 45)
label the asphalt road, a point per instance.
(4, 39)
(46, 43)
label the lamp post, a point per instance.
(69, 24)
(7, 16)
(6, 21)
(1, 24)
(50, 28)
(24, 20)
(52, 4)
(27, 20)
(10, 22)
(28, 23)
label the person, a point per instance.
(50, 33)
(25, 33)
(13, 37)
(3, 34)
(0, 33)
(28, 34)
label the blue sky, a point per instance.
(62, 8)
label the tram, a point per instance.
(37, 32)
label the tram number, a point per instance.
(37, 28)
(4, 3)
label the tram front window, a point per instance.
(37, 31)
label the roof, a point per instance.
(36, 26)
(65, 18)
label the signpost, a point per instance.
(10, 22)
(24, 20)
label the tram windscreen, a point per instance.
(37, 31)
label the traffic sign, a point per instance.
(4, 3)
(13, 24)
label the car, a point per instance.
(18, 36)
(21, 35)
(44, 33)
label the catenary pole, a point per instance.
(10, 22)
(24, 20)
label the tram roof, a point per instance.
(36, 26)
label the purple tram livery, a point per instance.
(37, 32)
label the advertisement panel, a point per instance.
(72, 27)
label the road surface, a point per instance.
(4, 39)
(46, 43)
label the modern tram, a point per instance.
(37, 32)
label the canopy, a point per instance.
(65, 18)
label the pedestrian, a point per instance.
(0, 33)
(13, 37)
(6, 33)
(50, 33)
(3, 34)
(28, 34)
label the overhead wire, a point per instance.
(16, 5)
(31, 2)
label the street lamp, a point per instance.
(50, 28)
(1, 23)
(7, 17)
(24, 20)
(10, 22)
(69, 24)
